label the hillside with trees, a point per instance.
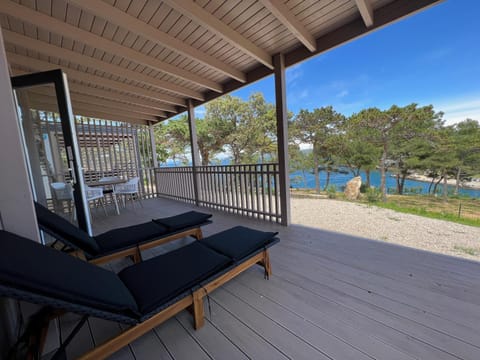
(399, 140)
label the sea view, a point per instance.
(341, 179)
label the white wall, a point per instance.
(16, 201)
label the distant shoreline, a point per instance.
(472, 185)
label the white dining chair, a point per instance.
(130, 189)
(63, 192)
(108, 189)
(94, 194)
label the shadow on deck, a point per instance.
(331, 296)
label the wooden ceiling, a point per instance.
(145, 60)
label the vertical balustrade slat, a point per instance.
(252, 198)
(277, 198)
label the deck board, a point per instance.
(331, 296)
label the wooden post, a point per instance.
(198, 312)
(282, 136)
(194, 146)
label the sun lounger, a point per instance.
(122, 242)
(143, 295)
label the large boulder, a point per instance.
(352, 190)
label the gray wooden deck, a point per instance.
(331, 296)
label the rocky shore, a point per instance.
(475, 185)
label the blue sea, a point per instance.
(340, 180)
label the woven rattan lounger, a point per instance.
(143, 295)
(122, 242)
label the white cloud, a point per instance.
(294, 73)
(295, 97)
(457, 110)
(342, 94)
(433, 55)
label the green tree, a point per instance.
(246, 129)
(211, 139)
(315, 128)
(230, 114)
(411, 140)
(357, 153)
(263, 128)
(300, 160)
(467, 147)
(442, 157)
(172, 139)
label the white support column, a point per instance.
(282, 136)
(16, 200)
(194, 146)
(154, 146)
(155, 157)
(17, 213)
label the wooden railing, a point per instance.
(249, 190)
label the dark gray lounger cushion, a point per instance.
(162, 278)
(238, 241)
(57, 224)
(184, 220)
(129, 236)
(32, 267)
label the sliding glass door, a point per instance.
(50, 140)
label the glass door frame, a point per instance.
(59, 79)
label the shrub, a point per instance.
(373, 194)
(331, 191)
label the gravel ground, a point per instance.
(387, 225)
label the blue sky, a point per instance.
(432, 57)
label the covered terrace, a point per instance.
(331, 296)
(141, 62)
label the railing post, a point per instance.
(194, 146)
(282, 136)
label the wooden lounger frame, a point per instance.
(193, 302)
(135, 251)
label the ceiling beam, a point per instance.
(384, 16)
(145, 104)
(40, 65)
(288, 19)
(53, 25)
(79, 105)
(77, 88)
(219, 28)
(77, 58)
(131, 23)
(82, 109)
(88, 113)
(366, 11)
(110, 104)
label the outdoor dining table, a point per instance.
(109, 182)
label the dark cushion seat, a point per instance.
(238, 241)
(184, 220)
(129, 236)
(66, 229)
(32, 267)
(117, 239)
(160, 279)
